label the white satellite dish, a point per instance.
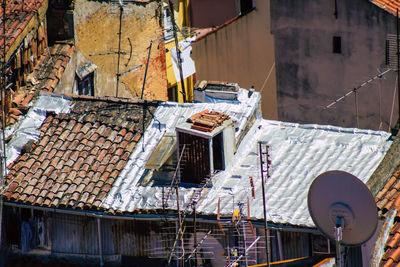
(342, 208)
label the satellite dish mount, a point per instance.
(343, 209)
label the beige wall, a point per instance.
(241, 52)
(96, 38)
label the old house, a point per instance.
(234, 44)
(177, 32)
(92, 180)
(82, 145)
(326, 49)
(31, 65)
(117, 48)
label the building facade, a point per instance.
(326, 49)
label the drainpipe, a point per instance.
(278, 235)
(100, 244)
(210, 148)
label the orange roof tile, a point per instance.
(78, 171)
(44, 77)
(207, 121)
(18, 15)
(389, 198)
(390, 6)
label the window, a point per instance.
(60, 4)
(168, 27)
(246, 6)
(195, 164)
(337, 44)
(86, 85)
(218, 152)
(322, 245)
(173, 94)
(387, 53)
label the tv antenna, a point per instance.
(121, 10)
(239, 235)
(119, 52)
(343, 209)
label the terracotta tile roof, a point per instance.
(389, 198)
(78, 155)
(19, 13)
(207, 121)
(390, 6)
(44, 78)
(392, 249)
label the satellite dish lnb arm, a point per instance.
(339, 229)
(338, 237)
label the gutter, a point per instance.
(158, 217)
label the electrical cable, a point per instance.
(269, 74)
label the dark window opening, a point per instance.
(322, 245)
(13, 227)
(218, 152)
(86, 85)
(168, 28)
(246, 6)
(336, 10)
(60, 4)
(337, 44)
(195, 163)
(387, 53)
(60, 22)
(173, 94)
(25, 229)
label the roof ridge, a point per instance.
(110, 99)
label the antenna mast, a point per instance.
(264, 158)
(398, 64)
(178, 51)
(3, 118)
(121, 9)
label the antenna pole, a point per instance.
(121, 9)
(3, 121)
(194, 234)
(147, 66)
(338, 238)
(178, 51)
(356, 107)
(266, 230)
(398, 63)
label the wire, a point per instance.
(380, 75)
(269, 74)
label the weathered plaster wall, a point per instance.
(96, 36)
(66, 85)
(310, 76)
(241, 52)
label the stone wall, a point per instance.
(96, 25)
